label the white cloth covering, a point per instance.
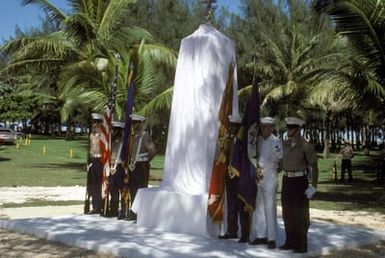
(200, 80)
(168, 211)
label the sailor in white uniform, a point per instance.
(265, 215)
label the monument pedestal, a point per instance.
(172, 211)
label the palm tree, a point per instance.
(291, 47)
(362, 79)
(93, 31)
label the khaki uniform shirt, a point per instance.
(95, 143)
(115, 145)
(297, 155)
(347, 152)
(146, 146)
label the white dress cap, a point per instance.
(117, 124)
(294, 121)
(136, 117)
(96, 116)
(267, 120)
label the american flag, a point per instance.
(105, 147)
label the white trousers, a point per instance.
(264, 221)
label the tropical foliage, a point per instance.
(70, 56)
(322, 60)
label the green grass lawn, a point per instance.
(364, 193)
(28, 166)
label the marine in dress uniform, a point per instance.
(143, 150)
(231, 183)
(96, 167)
(298, 157)
(265, 214)
(117, 171)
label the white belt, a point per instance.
(294, 173)
(142, 157)
(96, 155)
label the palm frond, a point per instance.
(54, 13)
(111, 16)
(161, 101)
(362, 22)
(279, 56)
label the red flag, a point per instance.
(221, 162)
(105, 148)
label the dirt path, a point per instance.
(13, 244)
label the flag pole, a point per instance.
(127, 144)
(111, 107)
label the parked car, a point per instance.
(8, 135)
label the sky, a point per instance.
(13, 13)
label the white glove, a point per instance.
(310, 191)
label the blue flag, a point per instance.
(243, 162)
(124, 155)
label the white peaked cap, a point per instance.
(267, 120)
(136, 117)
(294, 121)
(96, 116)
(117, 124)
(236, 119)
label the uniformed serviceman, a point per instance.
(143, 150)
(231, 184)
(265, 214)
(346, 161)
(117, 171)
(299, 157)
(96, 167)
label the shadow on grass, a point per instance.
(67, 165)
(4, 159)
(358, 195)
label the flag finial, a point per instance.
(210, 8)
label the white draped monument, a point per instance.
(180, 203)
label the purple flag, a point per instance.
(245, 151)
(128, 122)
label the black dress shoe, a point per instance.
(228, 236)
(131, 216)
(120, 217)
(271, 245)
(243, 240)
(285, 247)
(299, 251)
(94, 212)
(111, 214)
(259, 241)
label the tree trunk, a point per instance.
(326, 152)
(70, 130)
